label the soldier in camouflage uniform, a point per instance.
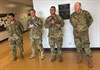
(15, 30)
(55, 24)
(35, 25)
(81, 21)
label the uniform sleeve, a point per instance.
(21, 26)
(47, 23)
(61, 24)
(27, 25)
(40, 23)
(7, 29)
(71, 19)
(89, 19)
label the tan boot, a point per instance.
(53, 58)
(60, 58)
(79, 58)
(90, 62)
(14, 58)
(32, 56)
(21, 56)
(42, 55)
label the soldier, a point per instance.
(55, 24)
(35, 25)
(15, 30)
(81, 21)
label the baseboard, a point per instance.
(71, 49)
(3, 40)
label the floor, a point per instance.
(69, 59)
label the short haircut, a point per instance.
(33, 10)
(53, 7)
(11, 14)
(79, 3)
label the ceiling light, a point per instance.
(11, 5)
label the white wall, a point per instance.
(42, 7)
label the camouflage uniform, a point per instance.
(55, 34)
(81, 22)
(36, 36)
(15, 30)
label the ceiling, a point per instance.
(23, 2)
(15, 5)
(20, 2)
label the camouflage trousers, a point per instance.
(13, 43)
(58, 41)
(34, 42)
(82, 42)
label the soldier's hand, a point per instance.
(31, 26)
(53, 21)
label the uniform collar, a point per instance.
(79, 12)
(53, 16)
(33, 17)
(12, 22)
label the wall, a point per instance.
(42, 7)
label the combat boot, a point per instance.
(42, 55)
(90, 62)
(53, 58)
(14, 56)
(32, 56)
(21, 56)
(79, 58)
(60, 58)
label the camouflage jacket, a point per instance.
(55, 30)
(14, 29)
(81, 21)
(37, 31)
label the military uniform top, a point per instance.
(14, 27)
(81, 21)
(55, 30)
(37, 31)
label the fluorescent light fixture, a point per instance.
(11, 5)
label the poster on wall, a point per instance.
(64, 11)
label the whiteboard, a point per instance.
(42, 10)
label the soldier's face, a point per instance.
(32, 13)
(11, 18)
(77, 7)
(52, 11)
